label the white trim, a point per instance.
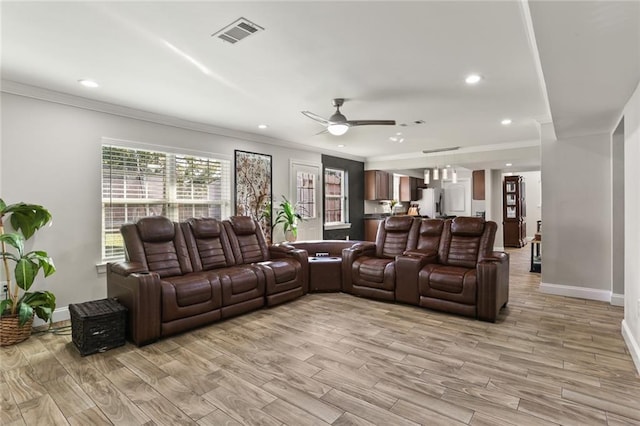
(575, 291)
(498, 248)
(632, 344)
(60, 314)
(617, 299)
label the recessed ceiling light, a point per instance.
(472, 79)
(448, 165)
(399, 134)
(89, 83)
(341, 146)
(508, 164)
(506, 122)
(262, 126)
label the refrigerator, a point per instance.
(432, 202)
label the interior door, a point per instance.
(306, 190)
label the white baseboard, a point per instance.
(60, 314)
(498, 248)
(617, 299)
(632, 344)
(573, 291)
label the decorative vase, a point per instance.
(11, 332)
(290, 236)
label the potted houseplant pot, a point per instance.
(20, 305)
(288, 216)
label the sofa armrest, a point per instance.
(493, 285)
(408, 268)
(126, 268)
(140, 293)
(349, 255)
(279, 251)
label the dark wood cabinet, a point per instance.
(478, 184)
(514, 211)
(371, 229)
(409, 188)
(377, 185)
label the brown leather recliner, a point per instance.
(243, 285)
(369, 269)
(285, 267)
(466, 278)
(157, 283)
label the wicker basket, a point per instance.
(11, 332)
(98, 325)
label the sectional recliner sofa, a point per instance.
(179, 276)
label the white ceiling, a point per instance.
(391, 60)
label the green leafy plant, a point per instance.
(25, 219)
(288, 216)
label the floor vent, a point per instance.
(237, 30)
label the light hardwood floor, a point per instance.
(342, 360)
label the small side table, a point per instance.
(325, 273)
(536, 255)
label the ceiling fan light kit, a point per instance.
(338, 124)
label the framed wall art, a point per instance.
(253, 188)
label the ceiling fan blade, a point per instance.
(315, 117)
(353, 123)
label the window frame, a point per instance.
(343, 197)
(173, 200)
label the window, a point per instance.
(306, 194)
(138, 183)
(335, 196)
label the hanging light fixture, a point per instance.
(445, 173)
(454, 176)
(436, 173)
(427, 179)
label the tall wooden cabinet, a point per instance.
(514, 212)
(377, 185)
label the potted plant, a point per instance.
(288, 216)
(20, 304)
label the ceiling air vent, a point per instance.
(237, 30)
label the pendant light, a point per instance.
(436, 173)
(445, 173)
(454, 176)
(427, 179)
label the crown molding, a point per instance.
(20, 89)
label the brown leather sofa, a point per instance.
(453, 268)
(181, 276)
(369, 269)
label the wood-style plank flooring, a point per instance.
(341, 360)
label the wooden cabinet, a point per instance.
(478, 184)
(371, 229)
(409, 188)
(514, 211)
(377, 185)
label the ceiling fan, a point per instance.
(338, 124)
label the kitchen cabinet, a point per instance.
(377, 185)
(409, 188)
(514, 212)
(478, 184)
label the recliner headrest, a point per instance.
(467, 226)
(205, 227)
(243, 225)
(155, 229)
(431, 227)
(398, 223)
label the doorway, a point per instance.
(306, 192)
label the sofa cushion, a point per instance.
(154, 229)
(456, 284)
(429, 234)
(243, 225)
(467, 226)
(189, 295)
(205, 227)
(208, 244)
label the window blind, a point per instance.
(138, 183)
